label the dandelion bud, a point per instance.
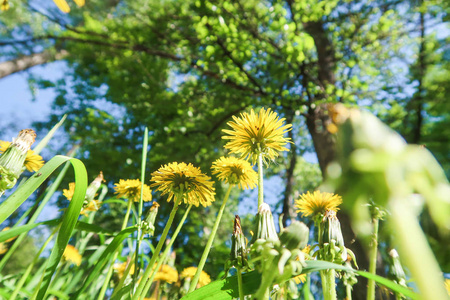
(332, 235)
(93, 187)
(395, 268)
(295, 236)
(12, 160)
(265, 227)
(238, 255)
(148, 226)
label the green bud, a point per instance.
(396, 271)
(93, 188)
(332, 239)
(265, 227)
(148, 225)
(238, 254)
(12, 160)
(295, 236)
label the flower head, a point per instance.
(121, 267)
(89, 204)
(190, 272)
(317, 203)
(33, 162)
(253, 133)
(234, 170)
(167, 273)
(300, 278)
(131, 190)
(174, 178)
(71, 254)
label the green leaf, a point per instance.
(227, 288)
(69, 219)
(104, 259)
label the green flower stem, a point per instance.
(141, 203)
(166, 251)
(240, 284)
(415, 251)
(328, 284)
(155, 255)
(201, 264)
(348, 290)
(124, 277)
(30, 267)
(260, 180)
(101, 296)
(373, 259)
(307, 288)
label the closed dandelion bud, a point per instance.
(238, 255)
(332, 235)
(295, 236)
(396, 271)
(265, 227)
(148, 226)
(12, 160)
(93, 187)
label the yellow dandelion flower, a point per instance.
(300, 278)
(190, 272)
(10, 239)
(307, 249)
(234, 170)
(447, 285)
(120, 268)
(71, 254)
(166, 273)
(253, 133)
(3, 248)
(317, 203)
(33, 162)
(93, 205)
(173, 178)
(131, 190)
(4, 6)
(69, 193)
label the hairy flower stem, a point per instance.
(201, 264)
(328, 284)
(260, 180)
(240, 284)
(101, 296)
(166, 251)
(155, 255)
(373, 259)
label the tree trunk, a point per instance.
(324, 143)
(288, 200)
(25, 62)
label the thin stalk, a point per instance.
(260, 180)
(166, 252)
(124, 277)
(348, 290)
(101, 296)
(205, 254)
(141, 203)
(328, 284)
(307, 288)
(155, 255)
(240, 284)
(373, 259)
(30, 267)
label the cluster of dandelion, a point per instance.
(270, 264)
